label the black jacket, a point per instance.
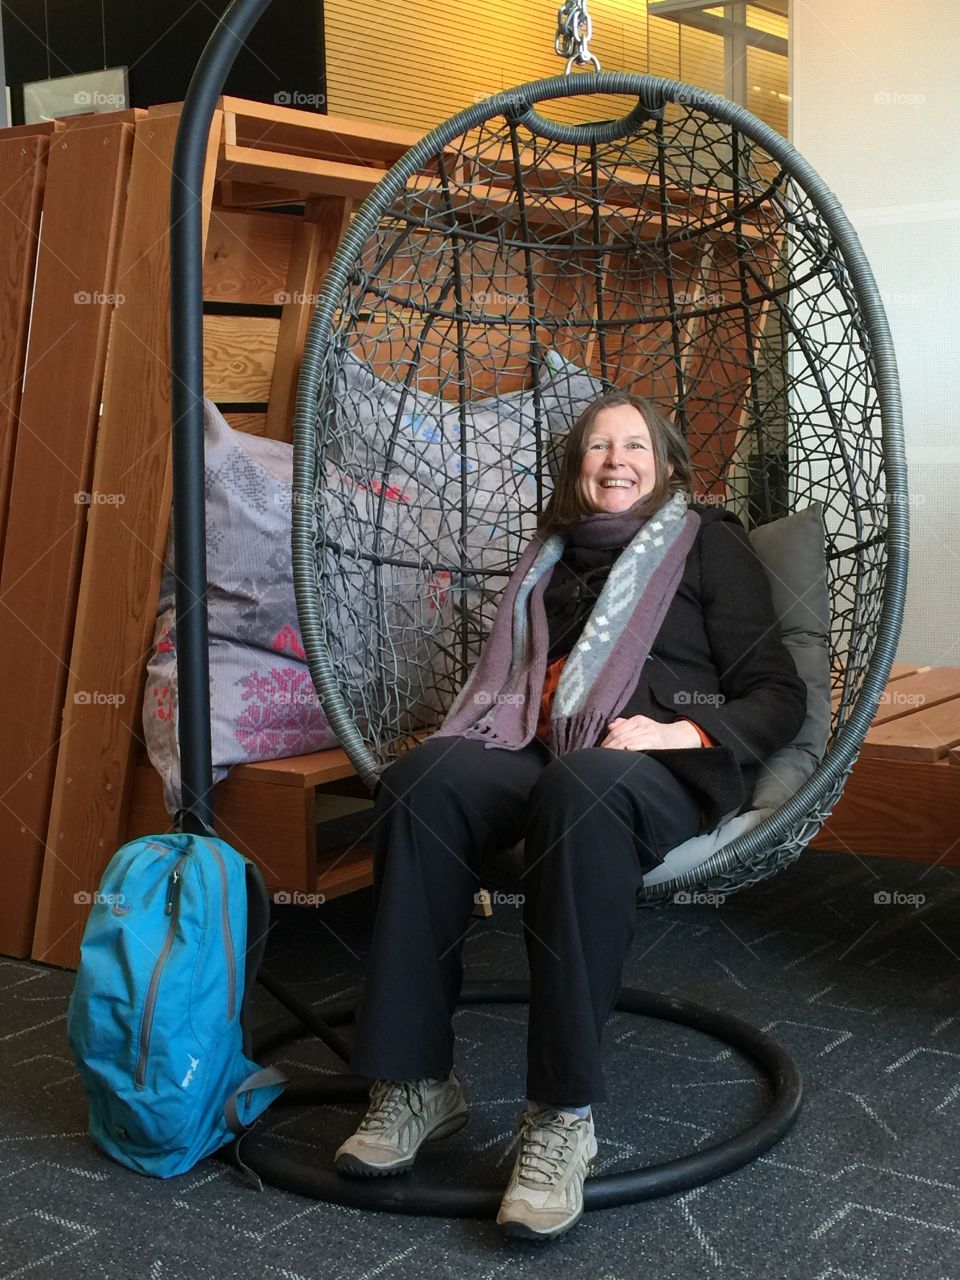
(718, 659)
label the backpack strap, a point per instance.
(260, 1079)
(258, 927)
(258, 921)
(185, 820)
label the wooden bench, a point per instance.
(273, 809)
(902, 799)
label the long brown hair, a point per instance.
(567, 504)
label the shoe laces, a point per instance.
(388, 1099)
(545, 1144)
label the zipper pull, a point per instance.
(173, 890)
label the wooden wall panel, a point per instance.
(254, 424)
(462, 53)
(123, 558)
(248, 256)
(318, 234)
(721, 361)
(23, 168)
(75, 287)
(238, 356)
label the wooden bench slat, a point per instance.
(251, 195)
(900, 669)
(333, 137)
(897, 672)
(299, 771)
(924, 689)
(302, 173)
(345, 871)
(99, 119)
(17, 132)
(927, 734)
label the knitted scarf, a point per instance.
(500, 702)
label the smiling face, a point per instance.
(618, 466)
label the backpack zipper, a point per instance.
(172, 909)
(226, 932)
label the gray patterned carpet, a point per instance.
(863, 993)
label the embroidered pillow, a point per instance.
(263, 703)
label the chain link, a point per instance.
(574, 31)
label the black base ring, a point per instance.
(398, 1195)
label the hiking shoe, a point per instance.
(401, 1116)
(544, 1196)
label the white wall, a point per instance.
(875, 89)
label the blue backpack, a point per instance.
(156, 1021)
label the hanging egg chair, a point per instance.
(509, 268)
(506, 270)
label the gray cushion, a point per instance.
(567, 390)
(500, 447)
(793, 553)
(408, 443)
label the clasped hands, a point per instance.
(640, 733)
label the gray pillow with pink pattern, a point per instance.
(263, 703)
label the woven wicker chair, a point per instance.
(687, 252)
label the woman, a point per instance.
(634, 623)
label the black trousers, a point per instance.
(592, 820)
